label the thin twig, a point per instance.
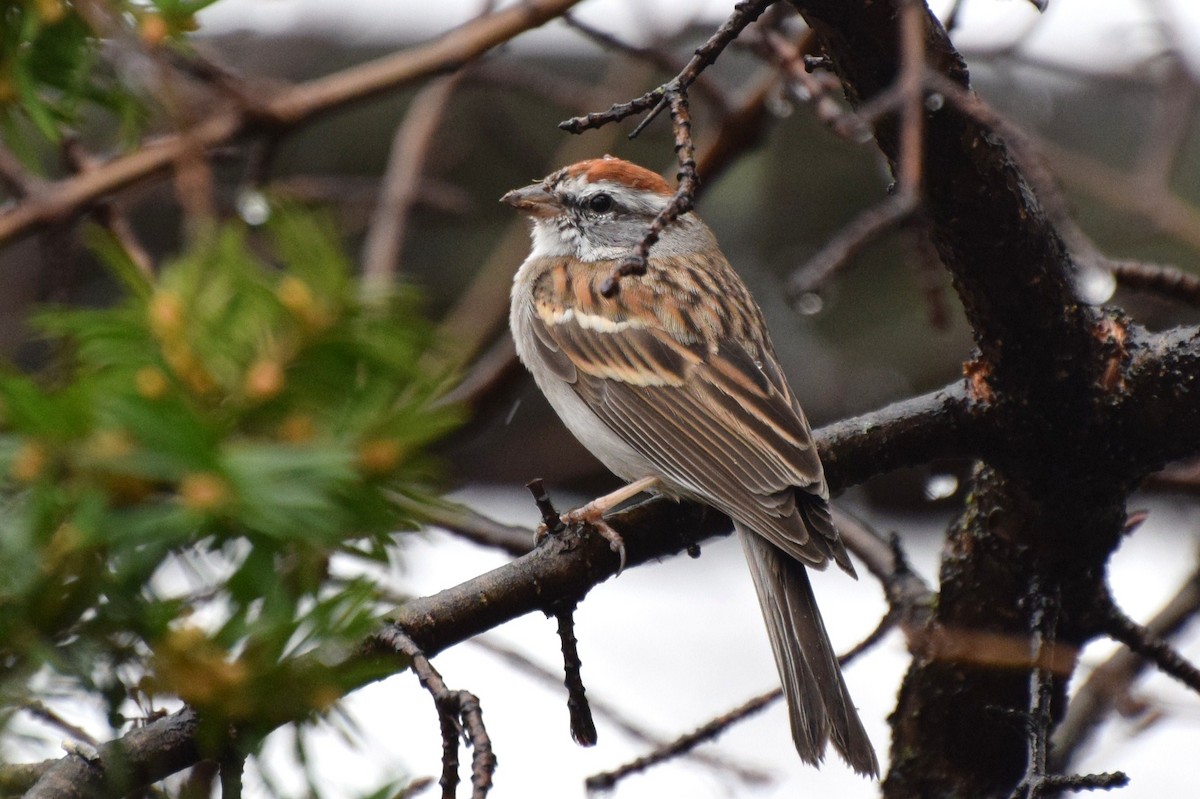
(482, 307)
(458, 715)
(1038, 780)
(39, 710)
(494, 370)
(477, 528)
(110, 213)
(744, 14)
(1043, 625)
(848, 242)
(616, 717)
(19, 180)
(672, 95)
(1153, 647)
(909, 600)
(401, 184)
(232, 767)
(907, 95)
(680, 202)
(1103, 689)
(1161, 279)
(658, 57)
(551, 518)
(414, 788)
(583, 728)
(606, 780)
(819, 90)
(911, 84)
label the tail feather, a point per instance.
(819, 705)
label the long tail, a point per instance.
(819, 706)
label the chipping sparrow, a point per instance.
(674, 385)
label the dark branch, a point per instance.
(680, 203)
(743, 15)
(1166, 281)
(564, 568)
(583, 728)
(1113, 678)
(1154, 648)
(607, 780)
(848, 242)
(458, 715)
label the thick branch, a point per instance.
(1017, 296)
(563, 569)
(947, 423)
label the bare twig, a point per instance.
(672, 95)
(926, 262)
(1161, 279)
(911, 84)
(1043, 627)
(909, 601)
(414, 788)
(655, 101)
(658, 57)
(1155, 648)
(401, 184)
(908, 432)
(551, 519)
(482, 308)
(1164, 210)
(459, 714)
(1169, 129)
(1103, 689)
(607, 780)
(1034, 155)
(39, 710)
(19, 180)
(1038, 780)
(1183, 477)
(907, 95)
(489, 374)
(616, 717)
(110, 213)
(848, 242)
(232, 767)
(583, 728)
(680, 202)
(475, 527)
(818, 90)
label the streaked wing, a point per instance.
(718, 421)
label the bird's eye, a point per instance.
(600, 203)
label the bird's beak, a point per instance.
(533, 199)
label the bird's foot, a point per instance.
(592, 514)
(593, 517)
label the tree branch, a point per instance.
(290, 108)
(563, 569)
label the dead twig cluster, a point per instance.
(459, 716)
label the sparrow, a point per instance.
(673, 384)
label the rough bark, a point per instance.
(1082, 404)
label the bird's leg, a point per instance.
(593, 514)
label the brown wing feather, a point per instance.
(708, 407)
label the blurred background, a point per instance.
(1104, 93)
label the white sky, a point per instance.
(1102, 35)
